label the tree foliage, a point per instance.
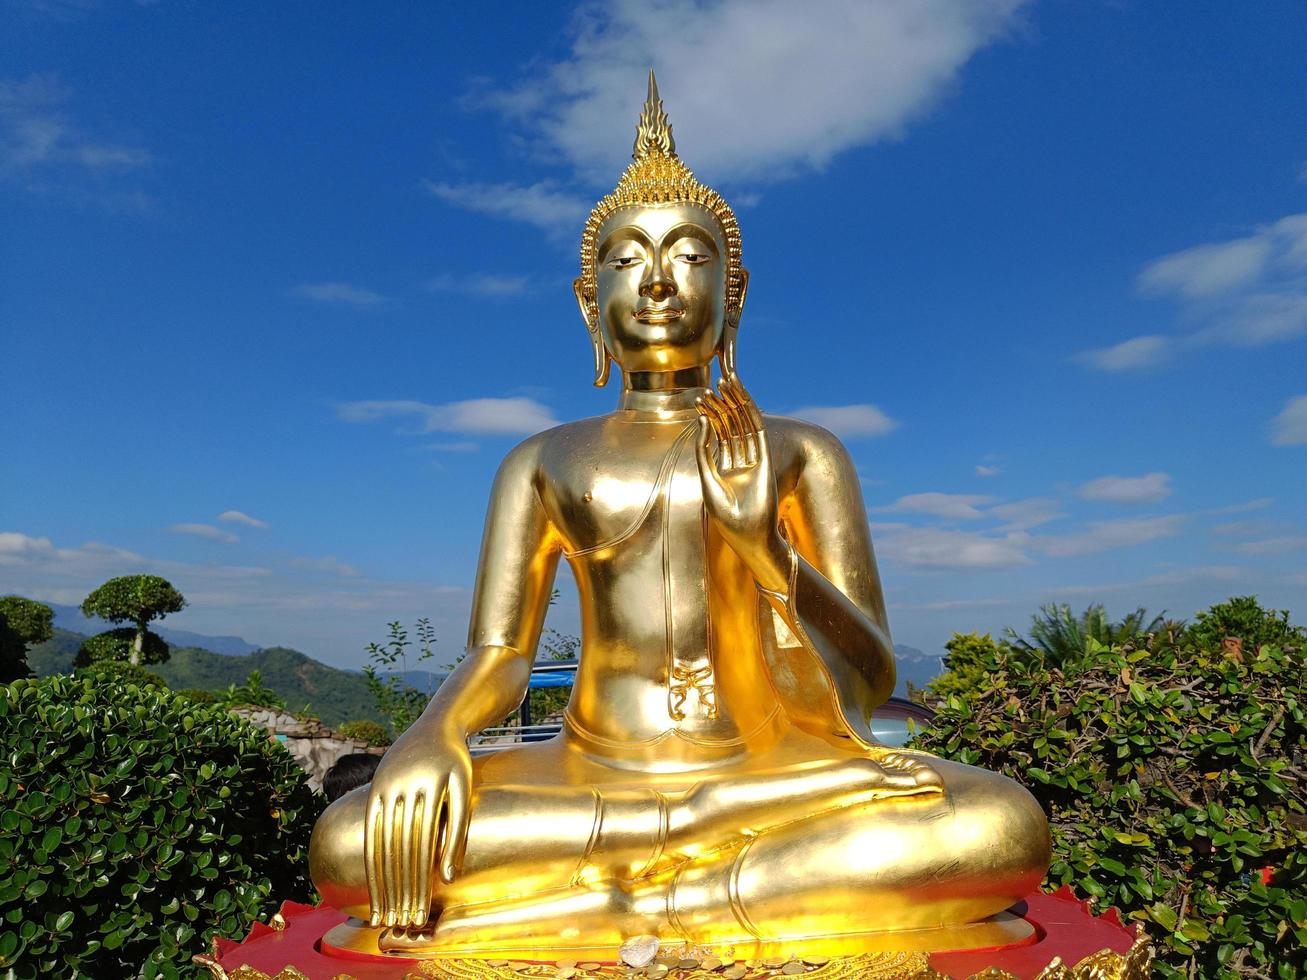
(135, 599)
(136, 824)
(1057, 634)
(398, 702)
(251, 692)
(964, 665)
(1172, 773)
(23, 623)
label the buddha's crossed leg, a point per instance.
(824, 848)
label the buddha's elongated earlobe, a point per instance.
(731, 329)
(603, 360)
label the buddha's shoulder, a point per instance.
(801, 439)
(537, 452)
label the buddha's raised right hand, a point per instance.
(420, 802)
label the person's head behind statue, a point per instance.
(661, 286)
(350, 772)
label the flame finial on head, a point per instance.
(657, 176)
(654, 130)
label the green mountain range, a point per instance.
(329, 693)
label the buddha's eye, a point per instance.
(693, 258)
(624, 261)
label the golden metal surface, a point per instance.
(716, 780)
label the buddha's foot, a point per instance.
(908, 773)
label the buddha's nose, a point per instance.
(658, 288)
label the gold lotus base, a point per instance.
(1001, 930)
(1104, 965)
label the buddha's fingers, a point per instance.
(735, 434)
(458, 817)
(390, 858)
(712, 407)
(408, 823)
(424, 855)
(731, 392)
(372, 836)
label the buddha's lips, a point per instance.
(663, 315)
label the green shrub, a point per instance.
(196, 694)
(372, 732)
(1172, 775)
(135, 824)
(122, 672)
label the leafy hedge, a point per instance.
(135, 824)
(1171, 767)
(365, 730)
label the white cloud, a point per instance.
(339, 293)
(237, 517)
(1129, 355)
(1021, 515)
(849, 421)
(933, 547)
(207, 531)
(982, 470)
(1107, 535)
(1289, 428)
(777, 86)
(45, 150)
(451, 447)
(1148, 488)
(955, 506)
(1207, 269)
(329, 564)
(542, 204)
(1243, 292)
(483, 284)
(477, 416)
(1272, 546)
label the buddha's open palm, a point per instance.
(739, 487)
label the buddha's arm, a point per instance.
(519, 556)
(428, 771)
(833, 600)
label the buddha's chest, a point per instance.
(619, 498)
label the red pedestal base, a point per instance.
(1086, 946)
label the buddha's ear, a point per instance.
(731, 328)
(603, 360)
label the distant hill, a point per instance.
(916, 666)
(70, 618)
(332, 694)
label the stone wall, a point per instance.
(314, 746)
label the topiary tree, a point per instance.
(135, 825)
(119, 645)
(1173, 777)
(139, 600)
(23, 622)
(120, 672)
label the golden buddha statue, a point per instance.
(716, 779)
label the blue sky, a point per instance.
(280, 284)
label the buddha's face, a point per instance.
(661, 286)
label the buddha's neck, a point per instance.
(664, 394)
